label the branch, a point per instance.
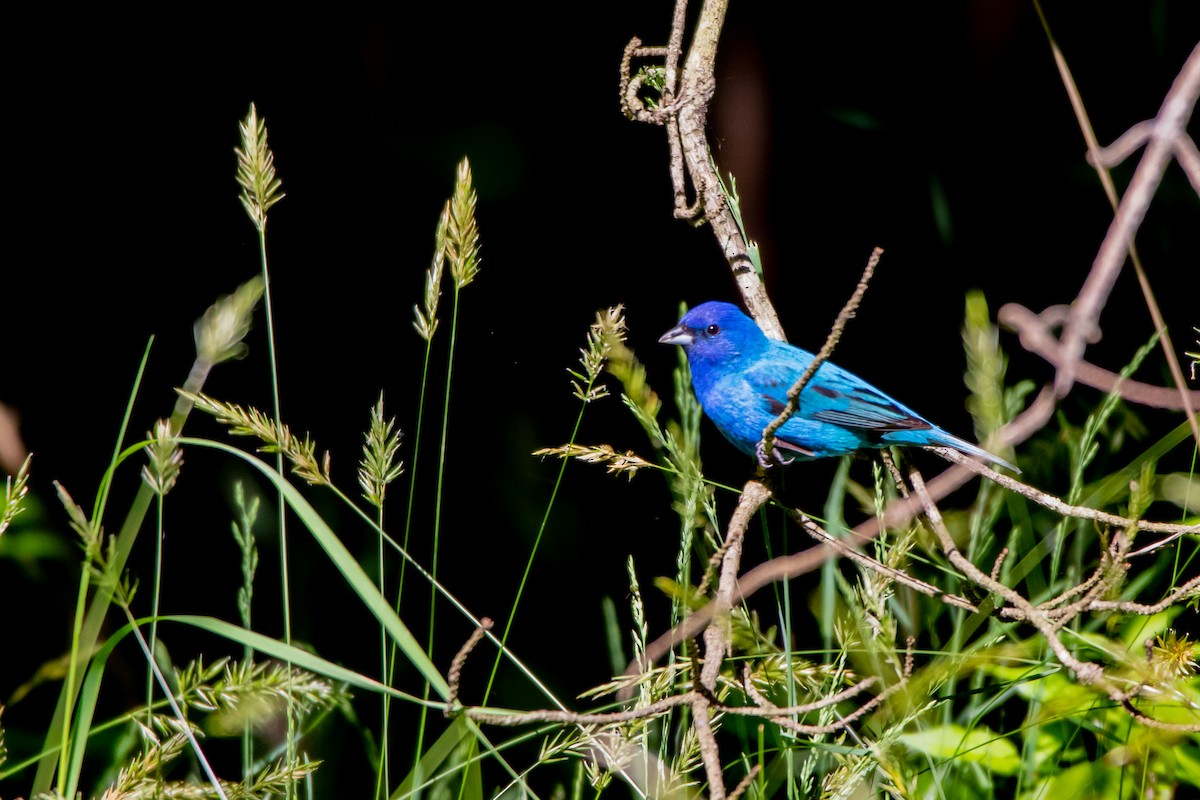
(1056, 505)
(1086, 672)
(835, 335)
(1167, 137)
(684, 112)
(1034, 334)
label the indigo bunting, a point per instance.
(742, 378)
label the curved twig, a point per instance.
(1033, 331)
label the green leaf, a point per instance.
(1187, 766)
(978, 746)
(447, 750)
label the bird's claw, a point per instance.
(776, 458)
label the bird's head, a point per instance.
(716, 333)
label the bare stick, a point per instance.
(897, 575)
(745, 782)
(1189, 158)
(835, 335)
(1168, 127)
(1086, 672)
(1034, 333)
(685, 113)
(454, 676)
(1058, 506)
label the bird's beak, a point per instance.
(680, 335)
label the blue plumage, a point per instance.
(741, 379)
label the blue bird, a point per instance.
(741, 379)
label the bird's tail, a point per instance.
(963, 446)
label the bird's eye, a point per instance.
(713, 330)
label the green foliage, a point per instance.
(920, 685)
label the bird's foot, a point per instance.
(775, 459)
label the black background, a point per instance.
(847, 126)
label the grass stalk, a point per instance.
(260, 191)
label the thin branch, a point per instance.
(1058, 506)
(897, 575)
(1086, 672)
(835, 335)
(1130, 607)
(745, 782)
(454, 676)
(1150, 722)
(765, 705)
(1189, 158)
(684, 110)
(512, 719)
(1126, 145)
(1169, 125)
(1033, 331)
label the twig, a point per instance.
(1058, 506)
(835, 335)
(454, 676)
(684, 111)
(512, 719)
(776, 711)
(897, 575)
(1125, 146)
(1144, 609)
(1168, 129)
(1189, 158)
(745, 782)
(1150, 722)
(716, 636)
(1033, 331)
(1086, 672)
(999, 563)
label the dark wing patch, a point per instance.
(869, 410)
(773, 405)
(851, 418)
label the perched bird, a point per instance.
(742, 378)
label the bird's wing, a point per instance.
(833, 395)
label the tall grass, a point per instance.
(967, 704)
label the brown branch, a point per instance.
(512, 719)
(1189, 158)
(684, 111)
(999, 563)
(1126, 145)
(831, 341)
(1056, 505)
(897, 575)
(1168, 129)
(745, 782)
(454, 676)
(1150, 722)
(1086, 672)
(1143, 609)
(1033, 331)
(718, 636)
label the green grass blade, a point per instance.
(362, 584)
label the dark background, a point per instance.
(941, 134)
